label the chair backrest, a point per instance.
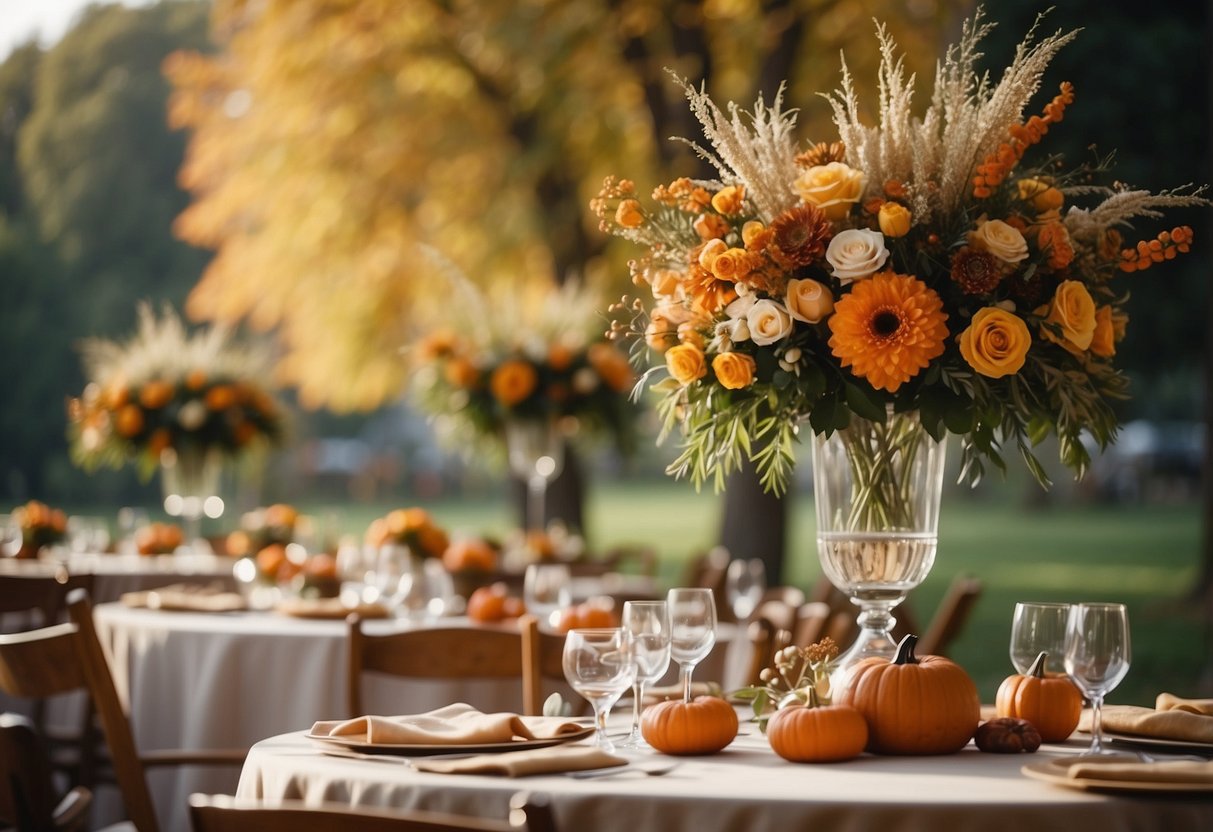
(27, 792)
(225, 814)
(951, 615)
(440, 653)
(68, 657)
(43, 594)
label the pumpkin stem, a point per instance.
(1038, 667)
(905, 650)
(814, 701)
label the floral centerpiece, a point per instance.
(168, 392)
(263, 527)
(40, 526)
(410, 527)
(796, 674)
(934, 265)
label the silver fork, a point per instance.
(656, 769)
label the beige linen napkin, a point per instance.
(186, 598)
(458, 724)
(1147, 722)
(1170, 771)
(1171, 702)
(523, 763)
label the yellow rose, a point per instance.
(894, 219)
(513, 381)
(1001, 240)
(628, 214)
(1041, 195)
(734, 370)
(1073, 310)
(809, 301)
(728, 200)
(731, 264)
(710, 251)
(1103, 341)
(685, 363)
(996, 342)
(751, 230)
(833, 188)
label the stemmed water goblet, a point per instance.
(1097, 656)
(598, 665)
(648, 625)
(692, 630)
(745, 581)
(546, 589)
(536, 454)
(1039, 628)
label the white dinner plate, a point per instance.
(1156, 743)
(421, 750)
(1056, 771)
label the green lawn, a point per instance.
(1143, 556)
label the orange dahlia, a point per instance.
(888, 329)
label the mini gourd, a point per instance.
(1052, 703)
(811, 732)
(704, 725)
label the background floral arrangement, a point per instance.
(40, 526)
(933, 264)
(411, 527)
(263, 527)
(525, 356)
(167, 389)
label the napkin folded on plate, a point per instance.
(1171, 702)
(329, 608)
(1147, 722)
(186, 598)
(457, 724)
(1169, 771)
(551, 760)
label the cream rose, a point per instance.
(734, 370)
(808, 300)
(833, 188)
(685, 363)
(995, 343)
(856, 253)
(1002, 240)
(1073, 311)
(768, 322)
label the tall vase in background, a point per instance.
(189, 478)
(877, 487)
(535, 449)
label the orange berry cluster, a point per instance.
(992, 172)
(1163, 247)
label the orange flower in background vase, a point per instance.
(513, 381)
(612, 365)
(1073, 312)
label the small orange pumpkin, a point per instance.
(491, 604)
(1052, 703)
(816, 733)
(704, 725)
(912, 705)
(587, 615)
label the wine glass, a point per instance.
(745, 581)
(536, 453)
(1039, 628)
(692, 630)
(1097, 656)
(598, 665)
(648, 625)
(545, 589)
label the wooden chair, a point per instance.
(812, 619)
(950, 616)
(531, 813)
(68, 657)
(544, 656)
(27, 793)
(443, 653)
(635, 558)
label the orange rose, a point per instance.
(612, 365)
(513, 381)
(1103, 340)
(734, 370)
(728, 200)
(1073, 311)
(685, 363)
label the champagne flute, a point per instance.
(545, 589)
(1097, 656)
(648, 625)
(598, 664)
(1039, 628)
(692, 630)
(745, 581)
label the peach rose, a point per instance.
(728, 199)
(808, 300)
(734, 370)
(1002, 240)
(731, 264)
(856, 253)
(685, 363)
(995, 343)
(1073, 310)
(833, 188)
(894, 219)
(710, 251)
(768, 322)
(1103, 340)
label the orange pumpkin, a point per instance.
(490, 604)
(585, 616)
(815, 733)
(912, 705)
(704, 725)
(469, 555)
(1051, 703)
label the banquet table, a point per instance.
(226, 680)
(746, 787)
(116, 574)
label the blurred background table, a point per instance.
(115, 574)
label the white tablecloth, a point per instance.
(207, 680)
(114, 575)
(746, 787)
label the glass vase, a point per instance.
(189, 478)
(535, 448)
(877, 487)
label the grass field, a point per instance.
(1144, 556)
